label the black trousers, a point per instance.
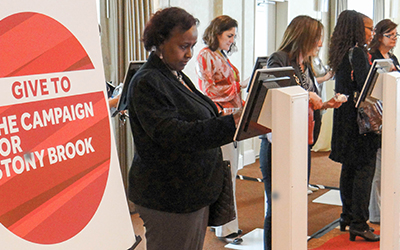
(355, 192)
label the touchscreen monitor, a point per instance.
(378, 66)
(263, 80)
(133, 67)
(261, 62)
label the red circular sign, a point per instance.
(54, 169)
(54, 154)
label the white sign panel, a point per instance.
(60, 182)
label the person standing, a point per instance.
(356, 152)
(381, 47)
(384, 41)
(177, 169)
(301, 42)
(219, 80)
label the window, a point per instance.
(364, 6)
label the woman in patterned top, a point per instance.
(220, 81)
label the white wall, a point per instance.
(202, 10)
(301, 7)
(394, 14)
(205, 11)
(307, 7)
(244, 12)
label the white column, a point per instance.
(289, 168)
(390, 162)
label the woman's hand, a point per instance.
(315, 100)
(393, 68)
(113, 102)
(325, 78)
(235, 112)
(236, 115)
(335, 102)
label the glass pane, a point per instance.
(364, 6)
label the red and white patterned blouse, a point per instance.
(218, 79)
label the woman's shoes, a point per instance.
(368, 235)
(343, 224)
(313, 188)
(234, 235)
(233, 238)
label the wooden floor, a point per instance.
(250, 202)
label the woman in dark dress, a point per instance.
(381, 47)
(356, 152)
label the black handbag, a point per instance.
(222, 211)
(369, 111)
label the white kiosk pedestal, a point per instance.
(390, 190)
(286, 112)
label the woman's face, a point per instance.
(369, 30)
(226, 39)
(318, 45)
(389, 39)
(178, 49)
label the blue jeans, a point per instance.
(265, 166)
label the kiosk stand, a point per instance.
(288, 119)
(274, 103)
(390, 219)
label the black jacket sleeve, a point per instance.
(174, 120)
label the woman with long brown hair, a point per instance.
(301, 42)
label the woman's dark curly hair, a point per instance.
(384, 26)
(301, 36)
(160, 26)
(349, 32)
(217, 26)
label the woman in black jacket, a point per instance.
(384, 41)
(355, 151)
(177, 168)
(301, 41)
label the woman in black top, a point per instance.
(176, 172)
(385, 39)
(356, 152)
(381, 47)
